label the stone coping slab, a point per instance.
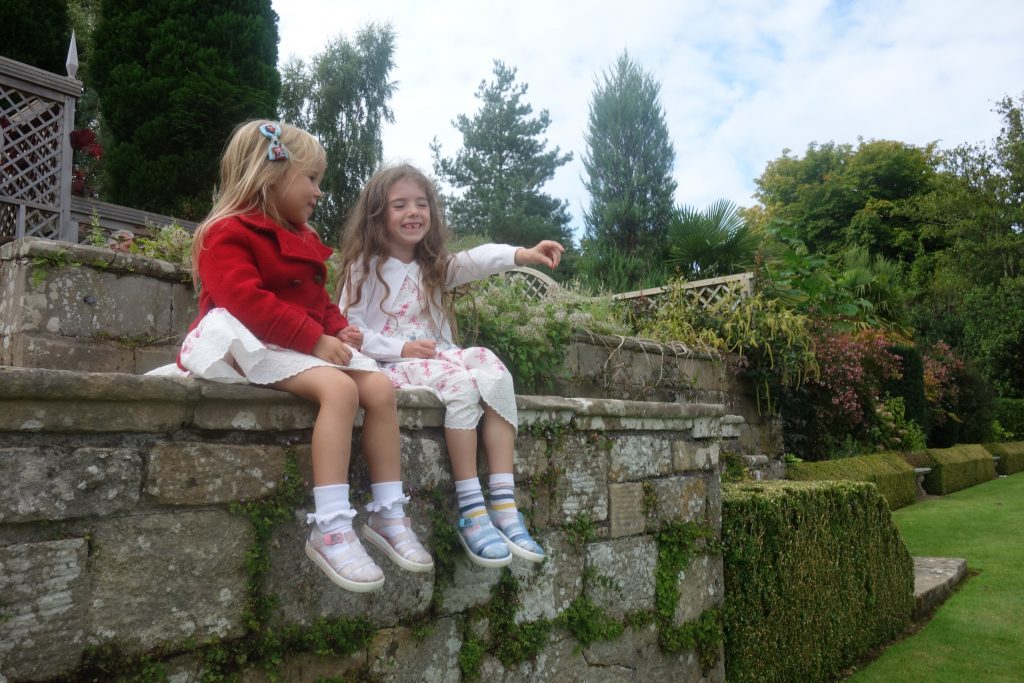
(101, 257)
(33, 399)
(935, 578)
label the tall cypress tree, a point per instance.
(174, 78)
(629, 162)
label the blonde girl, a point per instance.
(397, 269)
(265, 317)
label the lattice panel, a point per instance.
(31, 146)
(708, 295)
(537, 284)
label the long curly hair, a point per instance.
(365, 236)
(246, 174)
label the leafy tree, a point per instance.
(837, 197)
(713, 242)
(36, 33)
(174, 78)
(629, 161)
(342, 98)
(503, 163)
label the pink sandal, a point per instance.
(350, 567)
(404, 548)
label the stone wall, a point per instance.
(641, 370)
(122, 532)
(75, 307)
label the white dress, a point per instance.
(222, 349)
(459, 377)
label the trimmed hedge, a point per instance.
(1011, 456)
(888, 471)
(816, 574)
(958, 467)
(1010, 414)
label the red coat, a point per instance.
(271, 279)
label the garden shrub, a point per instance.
(1011, 456)
(1009, 413)
(894, 478)
(918, 459)
(816, 574)
(958, 467)
(530, 336)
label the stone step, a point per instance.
(934, 581)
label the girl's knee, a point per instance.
(341, 392)
(376, 390)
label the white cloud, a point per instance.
(741, 80)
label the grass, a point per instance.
(978, 634)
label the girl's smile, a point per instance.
(407, 218)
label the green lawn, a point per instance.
(978, 634)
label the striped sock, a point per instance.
(471, 498)
(502, 496)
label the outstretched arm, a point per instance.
(546, 253)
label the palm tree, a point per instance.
(713, 242)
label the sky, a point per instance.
(741, 80)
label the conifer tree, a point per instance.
(628, 162)
(503, 163)
(174, 78)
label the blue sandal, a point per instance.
(483, 543)
(518, 538)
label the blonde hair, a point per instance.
(246, 174)
(365, 236)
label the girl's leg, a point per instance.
(388, 527)
(499, 442)
(480, 540)
(332, 544)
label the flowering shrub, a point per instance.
(845, 410)
(854, 366)
(941, 390)
(530, 336)
(86, 152)
(772, 343)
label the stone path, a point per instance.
(934, 581)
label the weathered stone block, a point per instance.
(186, 567)
(196, 473)
(531, 457)
(250, 408)
(707, 428)
(629, 564)
(632, 458)
(42, 350)
(690, 456)
(701, 586)
(549, 587)
(397, 655)
(583, 488)
(304, 593)
(301, 667)
(425, 462)
(637, 652)
(678, 498)
(44, 594)
(626, 514)
(54, 484)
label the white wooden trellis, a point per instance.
(705, 292)
(37, 114)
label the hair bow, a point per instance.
(276, 151)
